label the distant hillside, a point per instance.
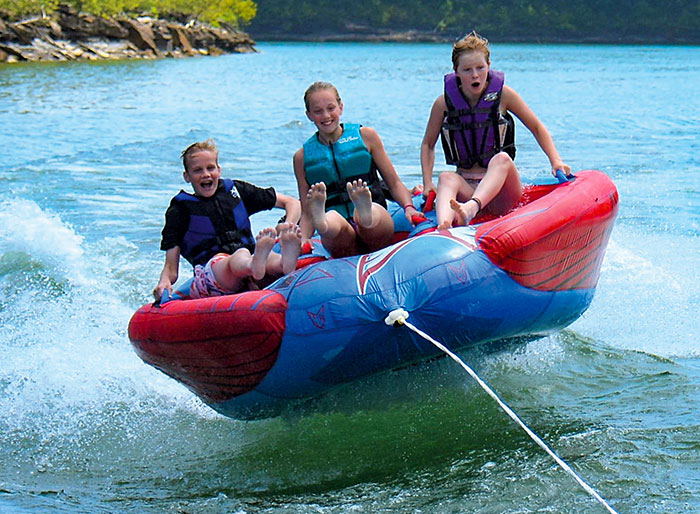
(624, 21)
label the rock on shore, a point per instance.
(68, 35)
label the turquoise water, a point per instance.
(89, 163)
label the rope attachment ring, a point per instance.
(396, 317)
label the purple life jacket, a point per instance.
(219, 224)
(472, 135)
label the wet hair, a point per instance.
(472, 42)
(201, 146)
(319, 86)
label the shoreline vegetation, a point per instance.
(418, 36)
(674, 22)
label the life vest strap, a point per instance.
(454, 113)
(458, 125)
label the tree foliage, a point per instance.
(17, 8)
(232, 12)
(533, 20)
(503, 20)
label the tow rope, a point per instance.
(398, 316)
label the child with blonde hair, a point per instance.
(211, 229)
(339, 187)
(472, 118)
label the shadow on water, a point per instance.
(567, 389)
(418, 420)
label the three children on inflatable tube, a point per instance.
(339, 187)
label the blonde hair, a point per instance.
(320, 86)
(201, 146)
(472, 42)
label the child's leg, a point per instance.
(231, 272)
(263, 246)
(450, 185)
(290, 241)
(374, 224)
(337, 235)
(511, 188)
(361, 197)
(500, 189)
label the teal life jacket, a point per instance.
(335, 165)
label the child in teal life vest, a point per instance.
(339, 187)
(472, 118)
(211, 229)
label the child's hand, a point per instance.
(428, 187)
(413, 215)
(559, 165)
(416, 190)
(162, 286)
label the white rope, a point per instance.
(400, 315)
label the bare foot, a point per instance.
(290, 241)
(444, 225)
(362, 198)
(263, 245)
(316, 202)
(465, 211)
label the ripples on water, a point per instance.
(90, 161)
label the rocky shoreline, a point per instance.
(68, 35)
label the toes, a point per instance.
(266, 232)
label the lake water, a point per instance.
(89, 162)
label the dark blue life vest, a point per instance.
(335, 165)
(219, 224)
(472, 135)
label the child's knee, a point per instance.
(447, 179)
(503, 161)
(239, 260)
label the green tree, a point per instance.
(232, 12)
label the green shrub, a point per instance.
(232, 12)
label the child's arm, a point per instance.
(307, 228)
(398, 190)
(427, 147)
(515, 104)
(291, 206)
(169, 274)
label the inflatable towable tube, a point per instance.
(525, 274)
